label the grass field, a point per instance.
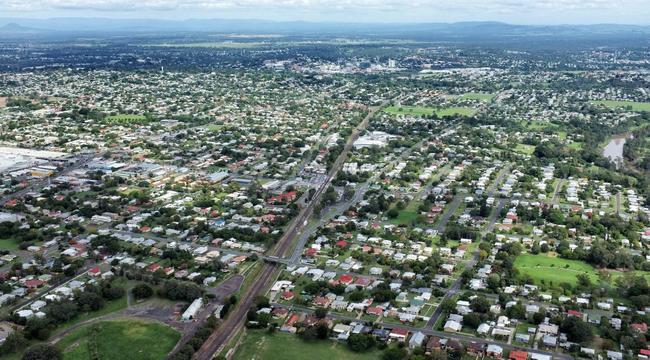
(525, 149)
(119, 339)
(109, 307)
(477, 96)
(8, 244)
(424, 111)
(214, 127)
(260, 345)
(576, 145)
(125, 118)
(408, 215)
(635, 106)
(553, 269)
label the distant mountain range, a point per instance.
(36, 27)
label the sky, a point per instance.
(511, 11)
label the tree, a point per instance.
(322, 331)
(494, 282)
(14, 342)
(517, 311)
(394, 354)
(361, 342)
(112, 292)
(576, 329)
(142, 291)
(90, 301)
(480, 304)
(583, 281)
(181, 290)
(321, 312)
(43, 352)
(473, 320)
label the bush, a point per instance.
(179, 290)
(43, 352)
(111, 292)
(142, 291)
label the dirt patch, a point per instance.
(3, 101)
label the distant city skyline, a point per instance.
(510, 11)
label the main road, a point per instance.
(236, 320)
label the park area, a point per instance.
(634, 106)
(119, 339)
(427, 111)
(551, 270)
(261, 345)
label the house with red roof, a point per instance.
(341, 243)
(362, 281)
(399, 334)
(345, 279)
(644, 354)
(375, 310)
(282, 198)
(95, 271)
(640, 327)
(311, 252)
(574, 313)
(34, 283)
(287, 295)
(153, 267)
(518, 355)
(322, 301)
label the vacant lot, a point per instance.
(125, 118)
(260, 345)
(119, 339)
(634, 106)
(553, 269)
(425, 111)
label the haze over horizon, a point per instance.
(528, 12)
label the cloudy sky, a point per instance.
(513, 11)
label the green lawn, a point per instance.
(634, 106)
(120, 339)
(214, 127)
(477, 96)
(408, 215)
(109, 307)
(260, 345)
(423, 111)
(576, 145)
(125, 118)
(553, 269)
(8, 244)
(525, 149)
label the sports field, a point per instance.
(553, 269)
(425, 111)
(119, 339)
(635, 106)
(260, 345)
